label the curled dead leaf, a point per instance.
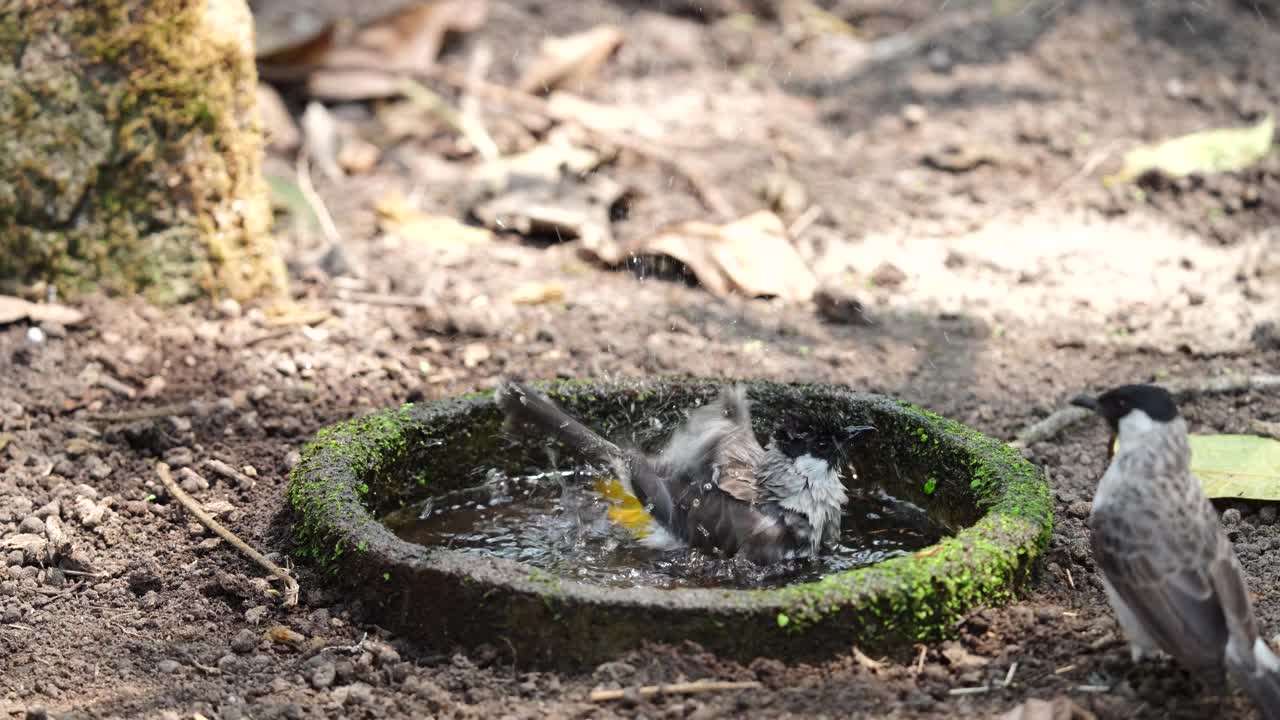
(752, 256)
(571, 60)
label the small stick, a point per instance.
(686, 688)
(1065, 669)
(408, 301)
(980, 689)
(116, 386)
(191, 506)
(1070, 581)
(224, 470)
(806, 219)
(1094, 688)
(920, 660)
(1008, 678)
(303, 172)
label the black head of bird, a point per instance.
(1117, 403)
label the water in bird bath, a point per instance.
(559, 522)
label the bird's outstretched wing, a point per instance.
(718, 436)
(1162, 566)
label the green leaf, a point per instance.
(286, 194)
(783, 620)
(930, 485)
(1236, 466)
(1207, 151)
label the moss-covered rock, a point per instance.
(130, 149)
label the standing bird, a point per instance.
(1169, 571)
(713, 487)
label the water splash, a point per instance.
(555, 521)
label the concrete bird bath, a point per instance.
(995, 505)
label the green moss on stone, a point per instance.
(130, 150)
(394, 452)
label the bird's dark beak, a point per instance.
(854, 431)
(1088, 402)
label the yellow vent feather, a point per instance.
(624, 508)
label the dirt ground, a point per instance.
(992, 292)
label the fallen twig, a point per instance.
(191, 506)
(1094, 688)
(978, 690)
(919, 664)
(226, 471)
(464, 125)
(1184, 390)
(303, 171)
(409, 301)
(686, 688)
(1008, 678)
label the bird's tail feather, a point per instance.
(1258, 674)
(521, 403)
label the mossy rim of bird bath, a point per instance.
(996, 503)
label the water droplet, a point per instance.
(707, 487)
(696, 502)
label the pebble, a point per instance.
(292, 458)
(179, 457)
(51, 508)
(322, 675)
(1080, 509)
(229, 308)
(31, 524)
(168, 666)
(97, 468)
(286, 366)
(1231, 517)
(1267, 515)
(838, 306)
(245, 641)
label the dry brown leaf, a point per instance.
(396, 216)
(603, 118)
(752, 256)
(13, 309)
(407, 40)
(1057, 709)
(563, 209)
(571, 60)
(537, 293)
(547, 162)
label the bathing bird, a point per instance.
(713, 487)
(1168, 569)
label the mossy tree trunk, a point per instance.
(131, 149)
